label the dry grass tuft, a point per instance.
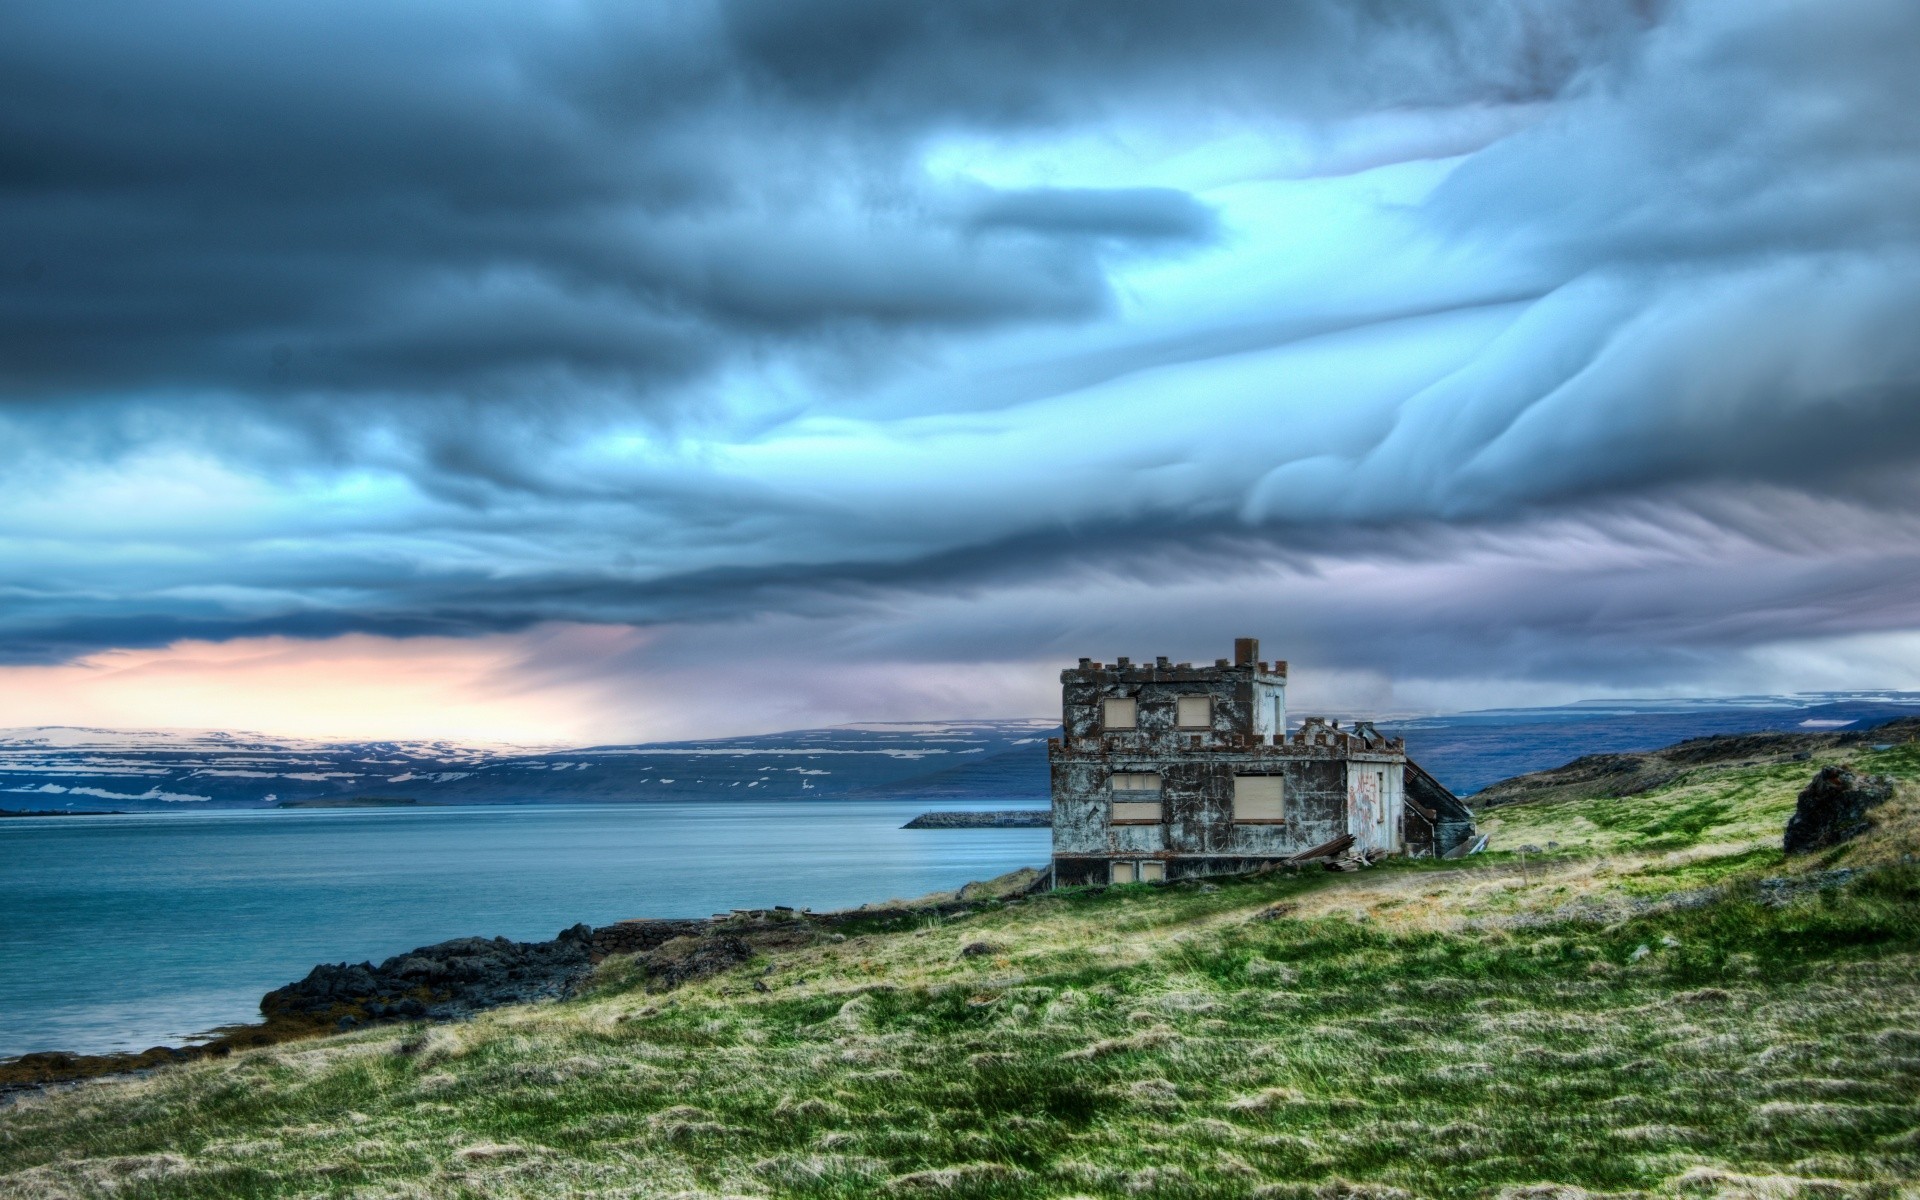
(963, 1176)
(1732, 1185)
(490, 1152)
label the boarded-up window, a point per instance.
(1136, 798)
(1152, 872)
(1258, 798)
(1195, 712)
(1118, 713)
(1122, 872)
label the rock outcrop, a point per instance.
(685, 959)
(643, 935)
(1834, 807)
(456, 979)
(444, 981)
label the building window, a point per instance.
(1151, 872)
(1259, 799)
(1136, 872)
(1119, 713)
(1136, 798)
(1194, 712)
(1137, 812)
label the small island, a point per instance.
(1004, 818)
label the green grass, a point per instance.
(1624, 1016)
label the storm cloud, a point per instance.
(1538, 341)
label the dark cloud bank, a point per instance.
(411, 269)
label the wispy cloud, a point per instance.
(1561, 344)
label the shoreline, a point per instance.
(337, 997)
(440, 983)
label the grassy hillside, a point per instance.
(1659, 1004)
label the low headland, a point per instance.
(1637, 991)
(1005, 818)
(358, 802)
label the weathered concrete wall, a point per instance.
(1197, 797)
(1246, 698)
(1198, 833)
(1337, 781)
(1081, 871)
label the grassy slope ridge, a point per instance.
(1633, 1012)
(1633, 773)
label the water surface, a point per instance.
(118, 933)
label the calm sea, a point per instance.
(118, 933)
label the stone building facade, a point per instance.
(1171, 771)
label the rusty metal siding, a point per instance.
(1450, 821)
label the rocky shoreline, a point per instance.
(453, 980)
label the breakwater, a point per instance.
(1006, 818)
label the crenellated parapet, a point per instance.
(1316, 737)
(1168, 770)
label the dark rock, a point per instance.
(449, 980)
(1834, 807)
(642, 936)
(684, 960)
(455, 979)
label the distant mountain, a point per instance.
(63, 767)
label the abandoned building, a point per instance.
(1171, 771)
